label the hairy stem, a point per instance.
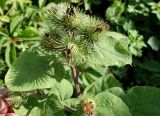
(75, 74)
(68, 108)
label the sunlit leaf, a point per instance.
(111, 49)
(30, 71)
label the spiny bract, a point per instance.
(70, 33)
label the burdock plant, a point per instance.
(74, 37)
(70, 38)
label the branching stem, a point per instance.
(75, 74)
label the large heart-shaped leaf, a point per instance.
(144, 101)
(108, 104)
(111, 49)
(30, 71)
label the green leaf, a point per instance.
(136, 42)
(31, 106)
(111, 49)
(4, 42)
(2, 4)
(75, 1)
(90, 74)
(153, 42)
(72, 102)
(150, 65)
(113, 13)
(41, 3)
(102, 84)
(30, 71)
(22, 111)
(23, 4)
(144, 101)
(2, 66)
(38, 106)
(4, 32)
(108, 104)
(63, 90)
(52, 107)
(2, 84)
(15, 21)
(88, 3)
(86, 79)
(117, 91)
(29, 34)
(59, 71)
(10, 54)
(128, 25)
(5, 18)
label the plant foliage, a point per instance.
(59, 60)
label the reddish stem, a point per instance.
(75, 74)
